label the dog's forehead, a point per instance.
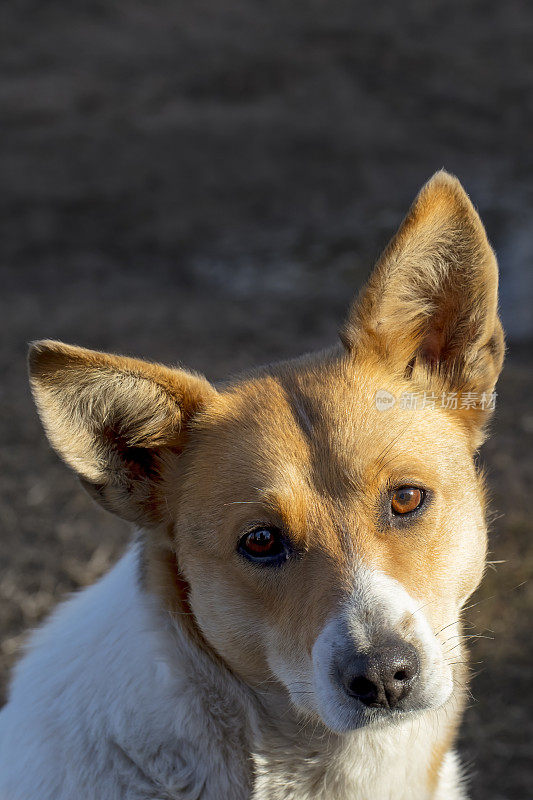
(321, 425)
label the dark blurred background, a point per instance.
(209, 182)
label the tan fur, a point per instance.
(112, 419)
(430, 306)
(439, 754)
(325, 493)
(302, 446)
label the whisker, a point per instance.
(498, 594)
(455, 622)
(388, 447)
(241, 503)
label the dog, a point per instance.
(286, 624)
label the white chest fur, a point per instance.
(112, 702)
(384, 765)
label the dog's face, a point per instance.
(328, 544)
(328, 538)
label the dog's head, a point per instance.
(325, 513)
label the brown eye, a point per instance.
(406, 499)
(265, 545)
(260, 542)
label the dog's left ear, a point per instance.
(429, 309)
(116, 421)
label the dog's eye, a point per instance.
(406, 499)
(265, 545)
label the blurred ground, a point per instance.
(209, 182)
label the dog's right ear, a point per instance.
(114, 420)
(430, 308)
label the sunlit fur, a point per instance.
(189, 672)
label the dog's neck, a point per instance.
(139, 702)
(254, 740)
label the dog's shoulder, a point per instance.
(101, 701)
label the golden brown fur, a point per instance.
(302, 446)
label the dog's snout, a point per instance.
(383, 677)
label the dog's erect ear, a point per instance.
(114, 420)
(431, 302)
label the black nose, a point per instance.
(383, 677)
